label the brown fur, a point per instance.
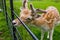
(24, 14)
(48, 18)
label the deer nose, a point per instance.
(14, 23)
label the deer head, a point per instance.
(34, 12)
(26, 15)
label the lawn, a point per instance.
(6, 35)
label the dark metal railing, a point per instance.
(12, 16)
(12, 28)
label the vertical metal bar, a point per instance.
(11, 6)
(5, 10)
(12, 16)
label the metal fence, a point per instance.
(14, 31)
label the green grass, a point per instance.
(6, 35)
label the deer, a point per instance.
(24, 14)
(46, 21)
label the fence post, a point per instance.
(12, 16)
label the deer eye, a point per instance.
(33, 14)
(38, 16)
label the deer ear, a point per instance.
(39, 10)
(32, 8)
(24, 3)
